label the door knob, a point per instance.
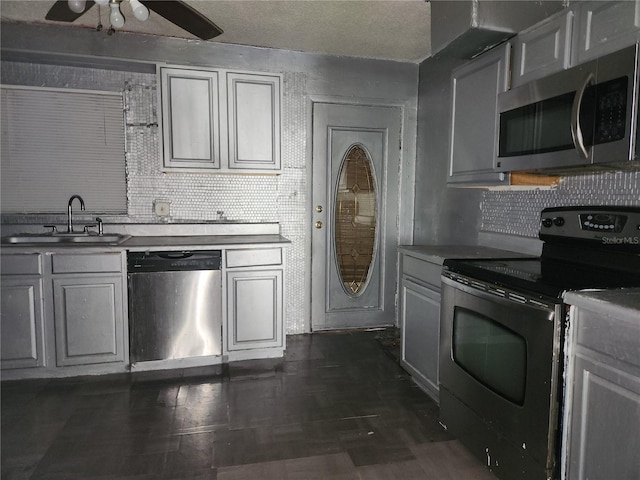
(319, 208)
(318, 224)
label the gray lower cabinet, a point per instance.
(474, 123)
(602, 403)
(254, 304)
(89, 308)
(419, 314)
(21, 312)
(89, 319)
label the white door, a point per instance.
(356, 157)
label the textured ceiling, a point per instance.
(390, 29)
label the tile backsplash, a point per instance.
(517, 212)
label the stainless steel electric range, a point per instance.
(501, 335)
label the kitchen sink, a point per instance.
(65, 238)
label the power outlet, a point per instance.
(162, 208)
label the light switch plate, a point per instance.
(161, 208)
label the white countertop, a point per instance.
(439, 253)
(622, 303)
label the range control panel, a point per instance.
(592, 223)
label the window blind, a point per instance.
(56, 143)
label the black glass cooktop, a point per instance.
(549, 277)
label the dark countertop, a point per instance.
(203, 242)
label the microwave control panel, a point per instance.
(611, 110)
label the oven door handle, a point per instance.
(472, 286)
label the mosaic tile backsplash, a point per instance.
(198, 197)
(516, 212)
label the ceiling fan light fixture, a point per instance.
(139, 10)
(77, 6)
(116, 18)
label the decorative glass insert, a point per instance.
(355, 220)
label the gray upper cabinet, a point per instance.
(542, 49)
(220, 121)
(254, 121)
(191, 112)
(583, 32)
(474, 122)
(604, 27)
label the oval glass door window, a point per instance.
(355, 219)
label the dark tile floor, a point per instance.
(337, 407)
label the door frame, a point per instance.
(406, 178)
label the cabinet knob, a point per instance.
(318, 224)
(319, 208)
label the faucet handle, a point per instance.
(54, 228)
(100, 226)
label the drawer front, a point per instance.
(254, 257)
(87, 263)
(422, 270)
(21, 264)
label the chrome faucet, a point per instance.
(70, 211)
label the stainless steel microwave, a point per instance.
(584, 115)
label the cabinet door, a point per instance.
(542, 49)
(191, 116)
(420, 326)
(602, 395)
(254, 309)
(21, 322)
(89, 319)
(474, 123)
(604, 27)
(254, 121)
(605, 421)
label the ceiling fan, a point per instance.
(175, 11)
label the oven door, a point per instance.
(499, 367)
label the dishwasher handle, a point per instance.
(174, 255)
(173, 261)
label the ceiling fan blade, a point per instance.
(60, 12)
(185, 17)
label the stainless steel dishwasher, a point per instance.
(175, 305)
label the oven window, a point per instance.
(491, 353)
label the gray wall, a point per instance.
(442, 215)
(82, 58)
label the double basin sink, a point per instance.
(65, 238)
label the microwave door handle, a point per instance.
(576, 130)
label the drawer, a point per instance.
(21, 264)
(422, 270)
(254, 257)
(87, 263)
